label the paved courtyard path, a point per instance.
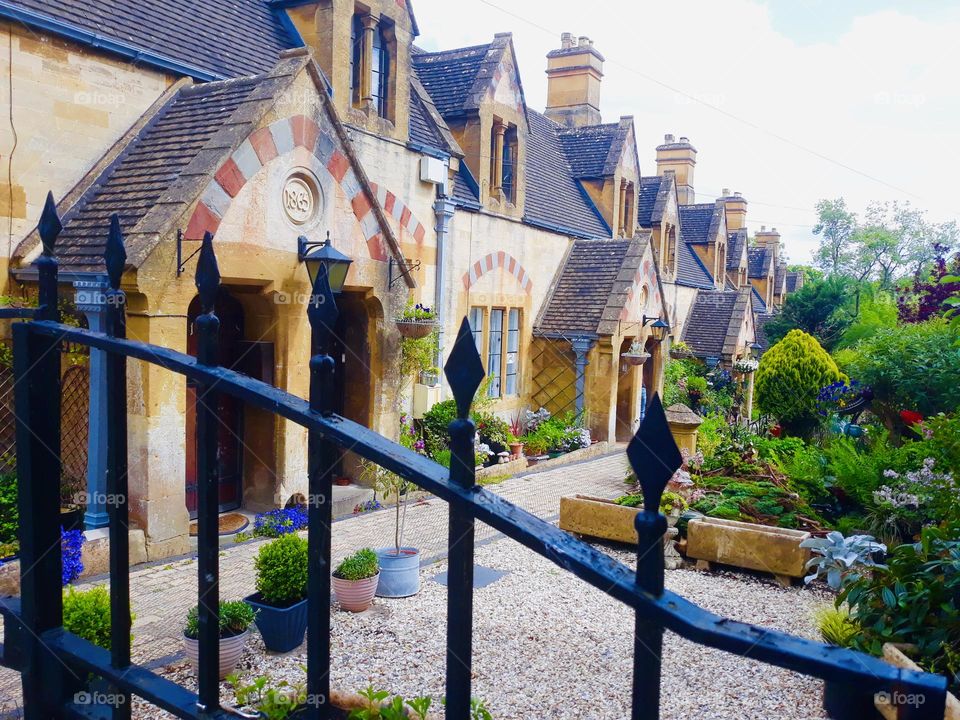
(162, 593)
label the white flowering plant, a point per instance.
(746, 366)
(909, 501)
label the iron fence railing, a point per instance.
(54, 662)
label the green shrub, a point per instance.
(835, 626)
(281, 567)
(696, 384)
(912, 367)
(361, 565)
(757, 501)
(86, 614)
(235, 617)
(913, 599)
(491, 429)
(9, 513)
(789, 378)
(435, 423)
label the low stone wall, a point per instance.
(515, 467)
(95, 556)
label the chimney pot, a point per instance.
(668, 138)
(737, 194)
(566, 41)
(773, 230)
(726, 192)
(763, 228)
(583, 41)
(684, 139)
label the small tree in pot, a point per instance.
(399, 565)
(281, 597)
(235, 619)
(355, 580)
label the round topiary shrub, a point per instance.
(789, 378)
(281, 567)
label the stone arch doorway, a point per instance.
(229, 412)
(354, 350)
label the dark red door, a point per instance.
(229, 410)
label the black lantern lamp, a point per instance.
(658, 329)
(315, 254)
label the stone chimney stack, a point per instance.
(681, 157)
(736, 206)
(574, 72)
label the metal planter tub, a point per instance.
(231, 650)
(399, 573)
(282, 628)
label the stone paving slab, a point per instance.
(161, 594)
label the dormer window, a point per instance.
(370, 61)
(503, 161)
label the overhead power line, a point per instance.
(732, 116)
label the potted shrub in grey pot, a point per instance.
(235, 619)
(281, 597)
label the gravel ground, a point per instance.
(547, 645)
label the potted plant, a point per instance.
(696, 387)
(516, 434)
(680, 350)
(235, 619)
(416, 321)
(399, 565)
(535, 446)
(636, 355)
(745, 366)
(355, 580)
(281, 597)
(430, 376)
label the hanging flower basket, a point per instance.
(416, 329)
(635, 358)
(745, 366)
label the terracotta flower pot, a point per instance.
(355, 595)
(516, 449)
(231, 650)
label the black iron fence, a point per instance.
(54, 662)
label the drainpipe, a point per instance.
(91, 299)
(581, 346)
(444, 209)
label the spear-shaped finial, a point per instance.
(207, 277)
(654, 455)
(115, 254)
(49, 226)
(464, 370)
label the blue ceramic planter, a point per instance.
(399, 574)
(282, 629)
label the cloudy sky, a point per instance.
(787, 101)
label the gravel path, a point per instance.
(546, 645)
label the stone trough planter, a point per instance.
(746, 545)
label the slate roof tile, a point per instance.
(649, 189)
(736, 242)
(691, 272)
(553, 197)
(588, 149)
(759, 262)
(449, 76)
(148, 167)
(706, 328)
(583, 287)
(216, 38)
(695, 222)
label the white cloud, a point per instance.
(881, 98)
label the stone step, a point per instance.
(347, 497)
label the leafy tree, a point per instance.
(820, 308)
(927, 297)
(810, 274)
(878, 309)
(909, 367)
(790, 376)
(835, 226)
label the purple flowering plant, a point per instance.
(71, 547)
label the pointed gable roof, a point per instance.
(159, 170)
(647, 201)
(759, 262)
(714, 324)
(699, 224)
(736, 249)
(691, 272)
(593, 286)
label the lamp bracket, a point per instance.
(408, 265)
(181, 260)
